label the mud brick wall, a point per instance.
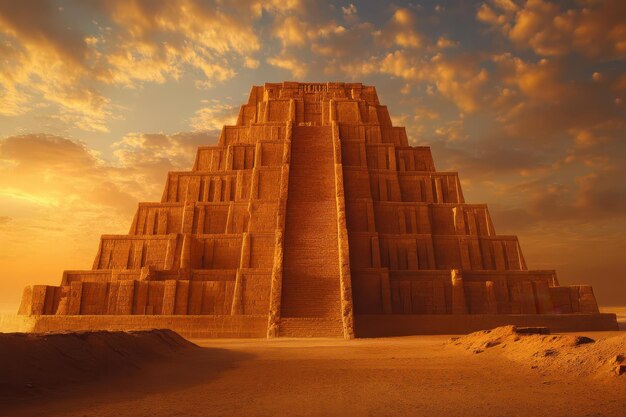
(404, 217)
(258, 227)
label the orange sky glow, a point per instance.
(526, 99)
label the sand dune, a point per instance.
(34, 363)
(574, 355)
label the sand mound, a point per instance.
(33, 363)
(562, 353)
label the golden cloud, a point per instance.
(67, 175)
(291, 31)
(297, 68)
(400, 31)
(597, 30)
(198, 35)
(459, 79)
(47, 62)
(54, 172)
(147, 41)
(213, 116)
(541, 81)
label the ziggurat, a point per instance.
(312, 216)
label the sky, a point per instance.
(525, 98)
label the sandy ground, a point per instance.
(421, 375)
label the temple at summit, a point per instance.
(312, 216)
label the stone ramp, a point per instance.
(311, 287)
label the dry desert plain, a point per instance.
(498, 373)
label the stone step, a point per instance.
(310, 327)
(311, 258)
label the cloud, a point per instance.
(483, 159)
(597, 30)
(34, 151)
(48, 61)
(53, 171)
(542, 98)
(220, 29)
(157, 150)
(592, 197)
(443, 43)
(458, 78)
(213, 116)
(50, 168)
(350, 13)
(251, 63)
(541, 81)
(291, 31)
(452, 130)
(337, 45)
(330, 41)
(313, 30)
(297, 67)
(197, 35)
(602, 192)
(400, 30)
(40, 29)
(136, 42)
(349, 10)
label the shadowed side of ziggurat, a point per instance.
(312, 216)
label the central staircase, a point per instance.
(311, 301)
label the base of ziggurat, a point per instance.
(205, 326)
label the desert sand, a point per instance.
(419, 375)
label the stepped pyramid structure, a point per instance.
(311, 217)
